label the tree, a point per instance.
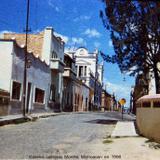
(135, 32)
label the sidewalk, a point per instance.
(127, 145)
(124, 129)
(12, 119)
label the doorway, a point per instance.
(28, 97)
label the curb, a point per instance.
(28, 118)
(14, 121)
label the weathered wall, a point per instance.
(12, 69)
(38, 75)
(35, 41)
(148, 122)
(4, 102)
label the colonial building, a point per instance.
(91, 74)
(69, 78)
(76, 93)
(107, 100)
(49, 48)
(11, 79)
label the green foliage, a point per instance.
(135, 32)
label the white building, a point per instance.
(90, 72)
(11, 78)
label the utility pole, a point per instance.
(25, 59)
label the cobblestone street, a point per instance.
(72, 136)
(57, 135)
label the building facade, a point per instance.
(48, 48)
(107, 101)
(69, 78)
(12, 74)
(70, 82)
(76, 93)
(90, 72)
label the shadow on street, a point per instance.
(102, 121)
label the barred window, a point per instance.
(16, 90)
(39, 95)
(54, 54)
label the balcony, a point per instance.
(57, 64)
(69, 73)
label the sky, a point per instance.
(79, 24)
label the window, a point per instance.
(68, 98)
(156, 104)
(75, 100)
(16, 90)
(39, 95)
(146, 104)
(71, 99)
(52, 93)
(86, 102)
(54, 54)
(85, 71)
(80, 71)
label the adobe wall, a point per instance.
(148, 122)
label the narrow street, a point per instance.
(70, 136)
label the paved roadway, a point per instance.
(74, 134)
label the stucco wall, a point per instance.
(38, 74)
(5, 65)
(85, 93)
(148, 122)
(12, 69)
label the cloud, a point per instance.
(5, 31)
(81, 18)
(50, 3)
(77, 41)
(64, 38)
(120, 90)
(96, 44)
(92, 33)
(110, 44)
(70, 49)
(74, 41)
(117, 87)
